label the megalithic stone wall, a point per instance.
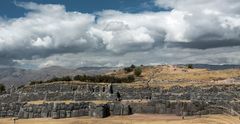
(122, 100)
(62, 110)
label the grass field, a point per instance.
(170, 75)
(133, 119)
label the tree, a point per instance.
(132, 66)
(138, 71)
(129, 69)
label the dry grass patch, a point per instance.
(68, 102)
(171, 73)
(133, 119)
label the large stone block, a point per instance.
(68, 114)
(20, 113)
(25, 114)
(62, 113)
(56, 115)
(101, 111)
(75, 113)
(3, 113)
(148, 109)
(127, 110)
(83, 112)
(30, 115)
(44, 114)
(37, 115)
(117, 109)
(10, 113)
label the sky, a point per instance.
(78, 33)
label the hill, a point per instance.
(18, 76)
(182, 75)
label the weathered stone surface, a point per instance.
(25, 114)
(177, 100)
(101, 111)
(56, 115)
(62, 113)
(68, 114)
(75, 113)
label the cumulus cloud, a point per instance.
(47, 28)
(49, 35)
(208, 19)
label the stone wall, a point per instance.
(62, 110)
(123, 100)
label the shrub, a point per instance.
(190, 66)
(129, 69)
(130, 78)
(21, 86)
(86, 78)
(138, 71)
(103, 78)
(36, 82)
(2, 88)
(132, 66)
(65, 78)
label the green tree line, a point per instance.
(87, 78)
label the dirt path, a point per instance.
(133, 119)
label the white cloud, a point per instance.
(206, 20)
(44, 42)
(124, 40)
(48, 26)
(50, 35)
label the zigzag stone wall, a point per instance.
(122, 100)
(62, 110)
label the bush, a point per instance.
(103, 79)
(190, 66)
(2, 88)
(129, 69)
(86, 78)
(138, 71)
(66, 78)
(132, 66)
(130, 78)
(54, 79)
(21, 86)
(36, 82)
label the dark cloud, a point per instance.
(204, 44)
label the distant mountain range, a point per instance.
(215, 67)
(17, 76)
